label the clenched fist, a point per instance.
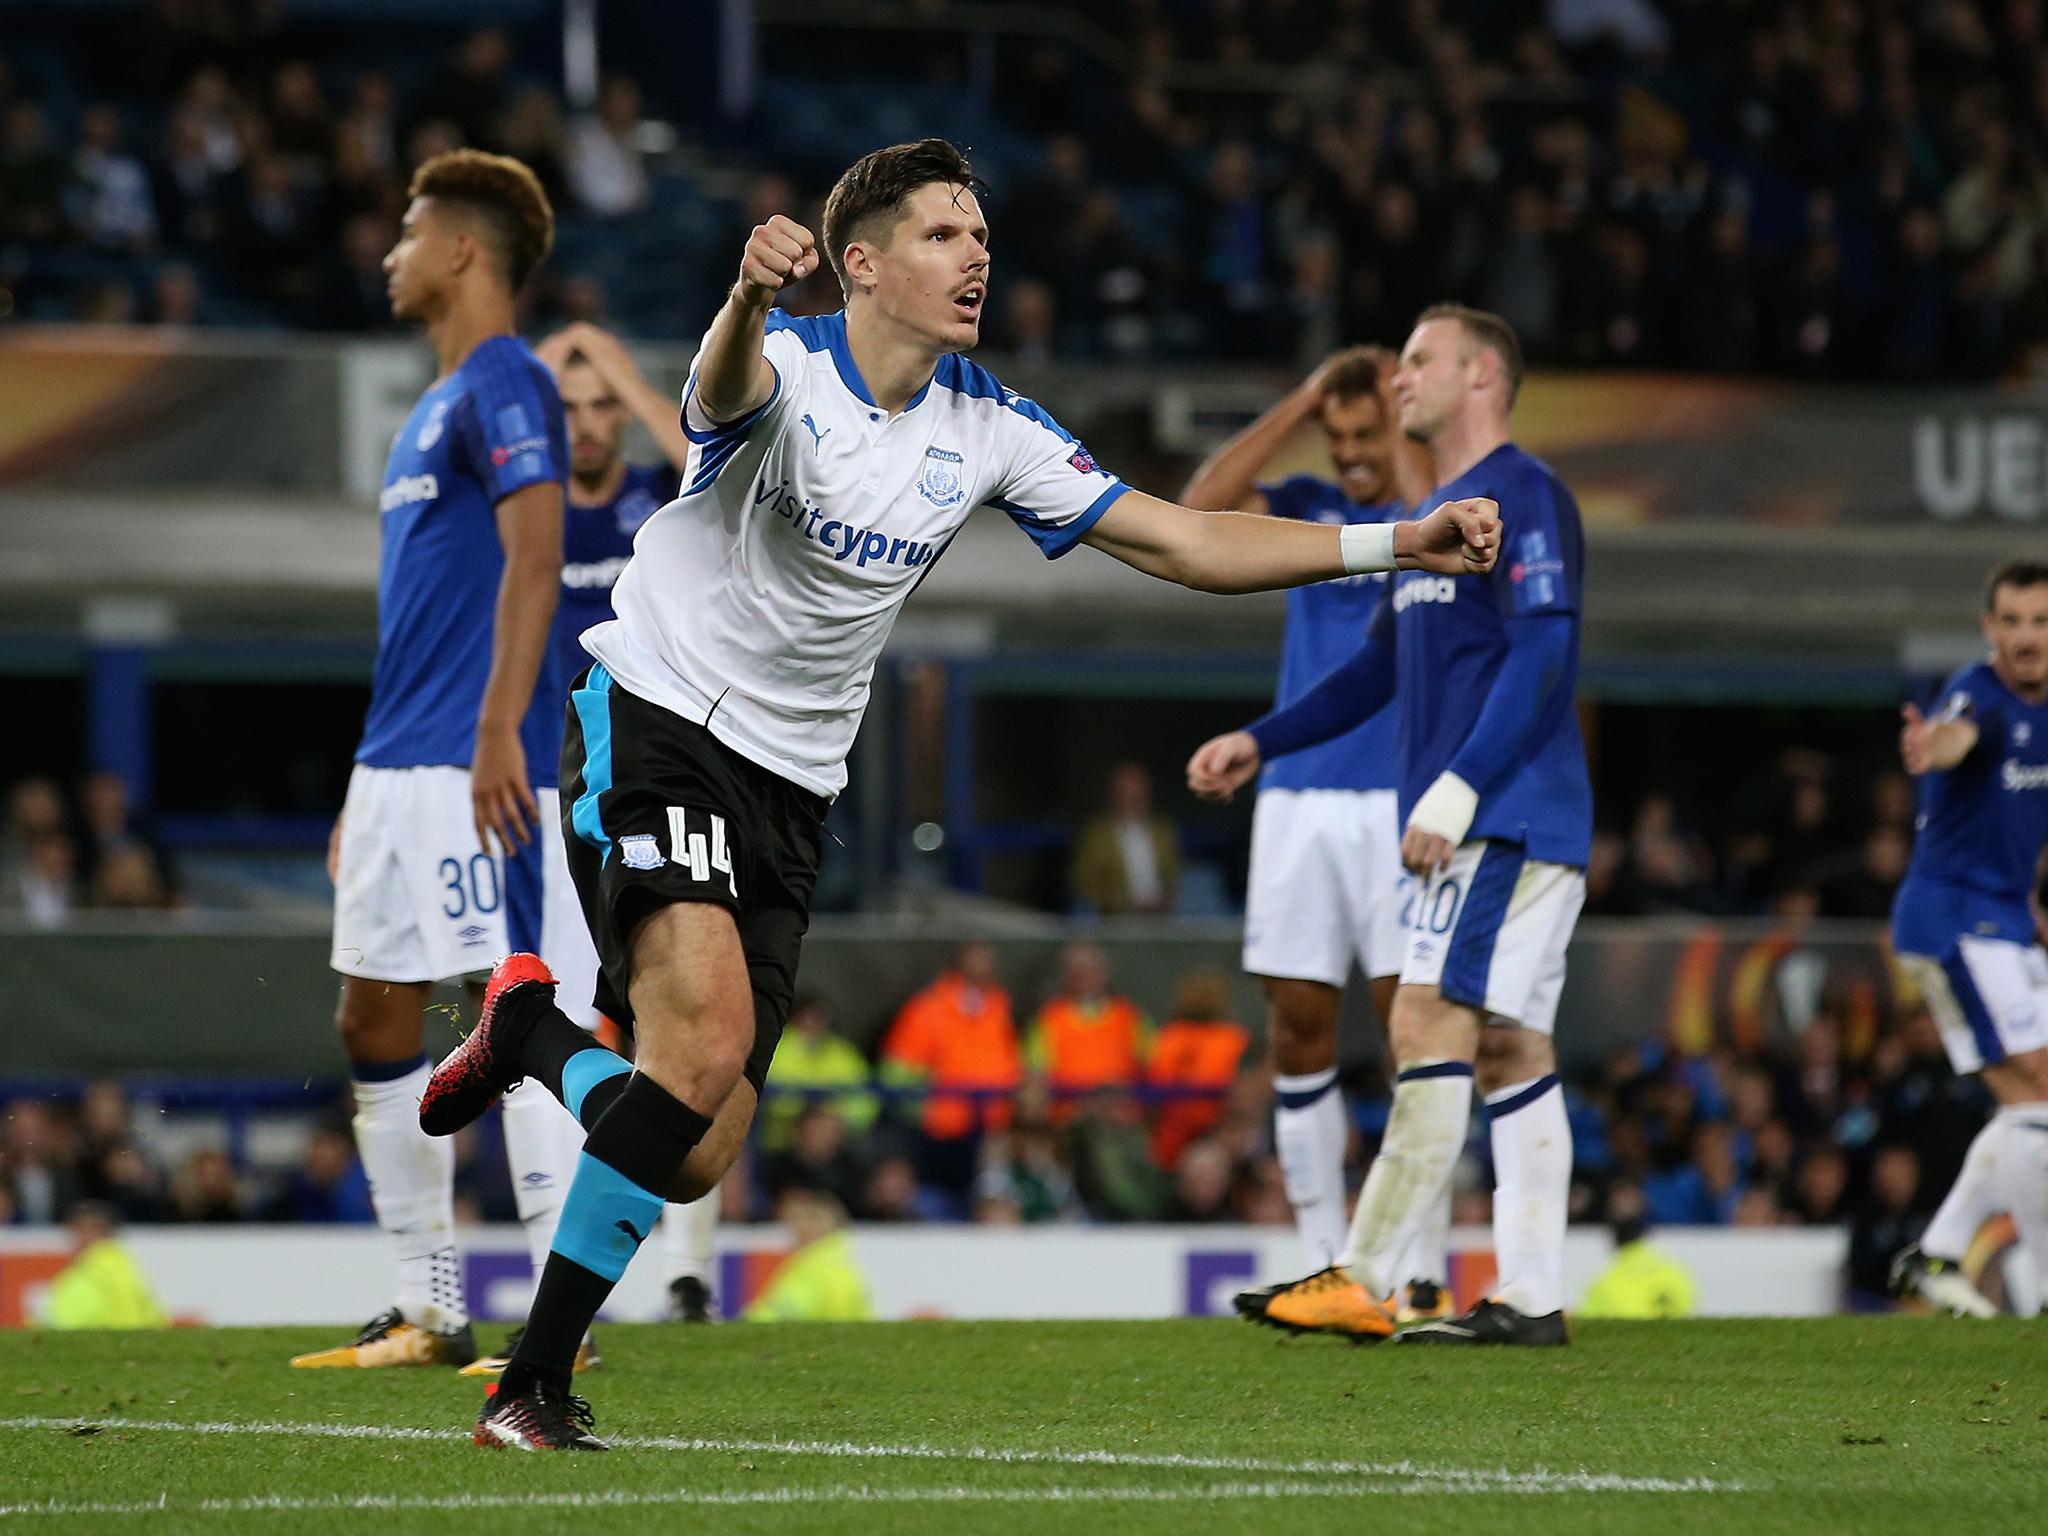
(779, 254)
(1223, 765)
(1460, 538)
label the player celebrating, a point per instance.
(1966, 919)
(1326, 881)
(1498, 825)
(462, 740)
(608, 501)
(832, 461)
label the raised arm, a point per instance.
(1226, 481)
(1934, 746)
(622, 376)
(733, 375)
(1231, 552)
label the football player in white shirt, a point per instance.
(832, 461)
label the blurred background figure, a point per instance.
(1640, 1281)
(821, 1281)
(1126, 856)
(103, 1286)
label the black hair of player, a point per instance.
(875, 187)
(1353, 372)
(2013, 573)
(503, 195)
(1489, 333)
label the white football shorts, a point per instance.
(1325, 885)
(1989, 998)
(1491, 931)
(417, 899)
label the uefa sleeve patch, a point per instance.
(1084, 461)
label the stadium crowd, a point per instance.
(1090, 1113)
(1652, 183)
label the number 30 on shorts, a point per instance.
(1435, 910)
(471, 885)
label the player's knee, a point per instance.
(1509, 1055)
(1304, 1032)
(368, 1033)
(1425, 1027)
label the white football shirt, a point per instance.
(758, 601)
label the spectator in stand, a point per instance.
(1887, 1219)
(1202, 1184)
(329, 1186)
(1197, 1053)
(40, 1156)
(533, 133)
(115, 834)
(205, 1188)
(33, 175)
(470, 90)
(1028, 1169)
(957, 1033)
(818, 1156)
(1820, 1193)
(1126, 857)
(109, 199)
(813, 1065)
(1085, 1038)
(605, 168)
(38, 860)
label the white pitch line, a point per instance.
(628, 1498)
(1474, 1477)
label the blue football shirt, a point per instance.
(1450, 635)
(1325, 624)
(492, 427)
(597, 541)
(1981, 825)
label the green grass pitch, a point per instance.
(1839, 1424)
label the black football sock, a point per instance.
(569, 1061)
(629, 1162)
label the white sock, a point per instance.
(1972, 1199)
(2020, 1176)
(1309, 1134)
(412, 1187)
(1532, 1185)
(1425, 1133)
(542, 1142)
(686, 1233)
(1427, 1256)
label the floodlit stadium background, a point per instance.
(1778, 269)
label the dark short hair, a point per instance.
(1353, 372)
(875, 187)
(1488, 332)
(504, 195)
(2013, 573)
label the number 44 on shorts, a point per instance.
(701, 852)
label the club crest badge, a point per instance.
(941, 483)
(640, 851)
(430, 430)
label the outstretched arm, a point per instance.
(1934, 746)
(1230, 552)
(733, 375)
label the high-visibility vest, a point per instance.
(1192, 1053)
(952, 1035)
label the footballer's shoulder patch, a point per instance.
(641, 850)
(1084, 461)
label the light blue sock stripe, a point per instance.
(584, 1071)
(605, 1219)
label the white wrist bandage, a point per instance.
(1367, 547)
(1446, 809)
